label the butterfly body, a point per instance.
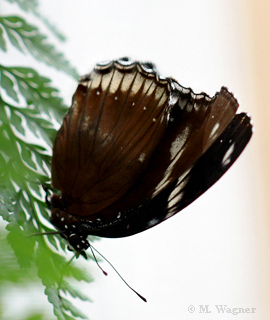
(135, 148)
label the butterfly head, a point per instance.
(68, 226)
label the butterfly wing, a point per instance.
(135, 148)
(193, 182)
(115, 123)
(187, 188)
(196, 121)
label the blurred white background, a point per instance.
(216, 251)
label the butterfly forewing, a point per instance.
(107, 138)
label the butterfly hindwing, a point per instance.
(187, 188)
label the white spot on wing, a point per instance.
(179, 142)
(84, 83)
(178, 193)
(85, 123)
(142, 157)
(214, 130)
(227, 157)
(189, 107)
(152, 222)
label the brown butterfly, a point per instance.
(135, 148)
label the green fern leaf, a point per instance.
(24, 37)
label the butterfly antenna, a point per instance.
(140, 296)
(104, 272)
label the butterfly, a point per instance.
(135, 148)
